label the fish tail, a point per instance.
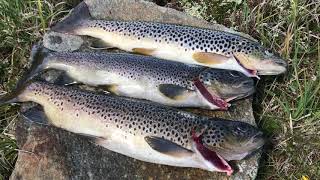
(13, 97)
(8, 98)
(38, 55)
(75, 19)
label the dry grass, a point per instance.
(22, 23)
(286, 107)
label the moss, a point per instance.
(210, 10)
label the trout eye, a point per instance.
(241, 131)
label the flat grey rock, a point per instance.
(62, 42)
(51, 153)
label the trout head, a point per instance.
(227, 85)
(233, 140)
(260, 61)
(219, 141)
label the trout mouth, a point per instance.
(209, 96)
(212, 159)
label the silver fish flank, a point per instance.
(185, 44)
(144, 77)
(143, 130)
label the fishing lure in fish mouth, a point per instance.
(139, 129)
(191, 45)
(145, 77)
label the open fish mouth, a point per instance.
(239, 96)
(210, 156)
(209, 96)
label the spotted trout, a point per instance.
(140, 129)
(145, 77)
(211, 48)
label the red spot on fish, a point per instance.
(222, 104)
(211, 156)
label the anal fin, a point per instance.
(143, 51)
(209, 58)
(36, 114)
(112, 88)
(96, 140)
(100, 44)
(167, 147)
(65, 79)
(174, 92)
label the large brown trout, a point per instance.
(143, 130)
(167, 82)
(185, 44)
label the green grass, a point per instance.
(22, 23)
(286, 107)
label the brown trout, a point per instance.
(143, 130)
(211, 48)
(145, 77)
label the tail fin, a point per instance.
(69, 24)
(38, 55)
(13, 97)
(8, 98)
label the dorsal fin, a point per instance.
(74, 20)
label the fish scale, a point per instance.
(128, 115)
(186, 44)
(144, 77)
(188, 38)
(143, 130)
(132, 116)
(158, 72)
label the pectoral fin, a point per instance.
(208, 58)
(143, 51)
(173, 91)
(36, 115)
(167, 147)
